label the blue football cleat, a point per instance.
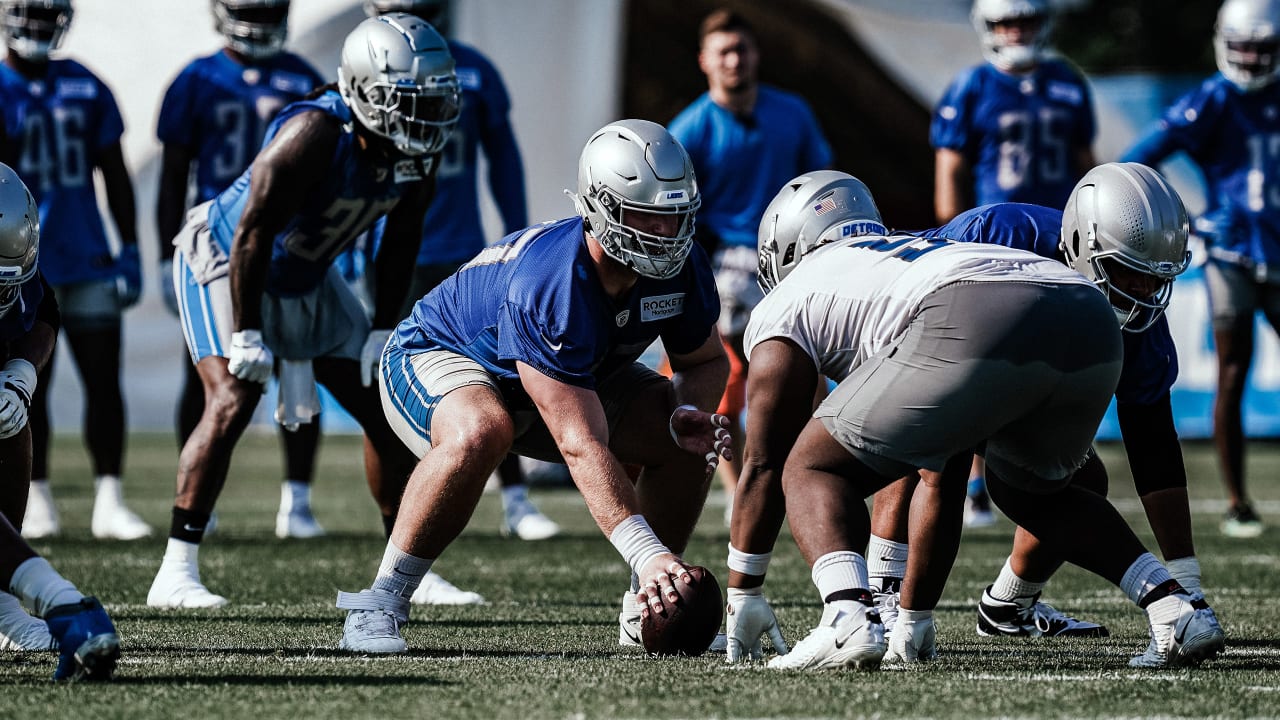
(89, 647)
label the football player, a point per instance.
(531, 348)
(1016, 128)
(253, 275)
(1097, 235)
(1228, 126)
(29, 318)
(212, 120)
(453, 233)
(745, 139)
(60, 126)
(939, 348)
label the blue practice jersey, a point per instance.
(57, 126)
(220, 109)
(357, 189)
(536, 298)
(1019, 134)
(452, 232)
(20, 318)
(1234, 137)
(1150, 359)
(741, 162)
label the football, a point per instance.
(687, 627)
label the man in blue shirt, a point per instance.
(532, 348)
(60, 124)
(1017, 128)
(64, 619)
(746, 139)
(1228, 127)
(213, 119)
(254, 278)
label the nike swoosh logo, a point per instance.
(555, 347)
(188, 528)
(1180, 634)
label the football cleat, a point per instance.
(887, 605)
(41, 518)
(297, 524)
(844, 638)
(629, 621)
(374, 619)
(914, 641)
(1242, 522)
(19, 631)
(435, 590)
(523, 520)
(177, 585)
(1193, 636)
(1027, 617)
(117, 522)
(89, 647)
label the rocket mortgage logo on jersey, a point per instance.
(661, 307)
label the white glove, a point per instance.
(167, 291)
(370, 354)
(17, 382)
(748, 617)
(249, 359)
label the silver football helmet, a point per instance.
(34, 28)
(1005, 55)
(1246, 42)
(398, 78)
(637, 166)
(1127, 214)
(437, 12)
(812, 210)
(19, 236)
(253, 28)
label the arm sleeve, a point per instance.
(48, 312)
(1151, 444)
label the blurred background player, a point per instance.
(213, 117)
(746, 139)
(254, 274)
(453, 233)
(532, 347)
(61, 127)
(1228, 126)
(1017, 128)
(64, 619)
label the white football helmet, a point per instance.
(637, 166)
(1006, 55)
(1126, 213)
(1246, 42)
(19, 236)
(436, 12)
(34, 28)
(398, 78)
(253, 28)
(810, 211)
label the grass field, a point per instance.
(546, 645)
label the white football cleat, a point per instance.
(522, 519)
(911, 642)
(435, 590)
(1028, 617)
(177, 585)
(629, 621)
(19, 631)
(1194, 635)
(374, 618)
(41, 517)
(849, 635)
(117, 522)
(299, 524)
(887, 605)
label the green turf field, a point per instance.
(546, 645)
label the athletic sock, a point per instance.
(188, 525)
(295, 497)
(400, 573)
(886, 563)
(41, 587)
(840, 570)
(1144, 575)
(1186, 571)
(1009, 586)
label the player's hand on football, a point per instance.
(702, 433)
(747, 618)
(167, 292)
(657, 582)
(129, 275)
(370, 354)
(249, 359)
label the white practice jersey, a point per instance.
(849, 299)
